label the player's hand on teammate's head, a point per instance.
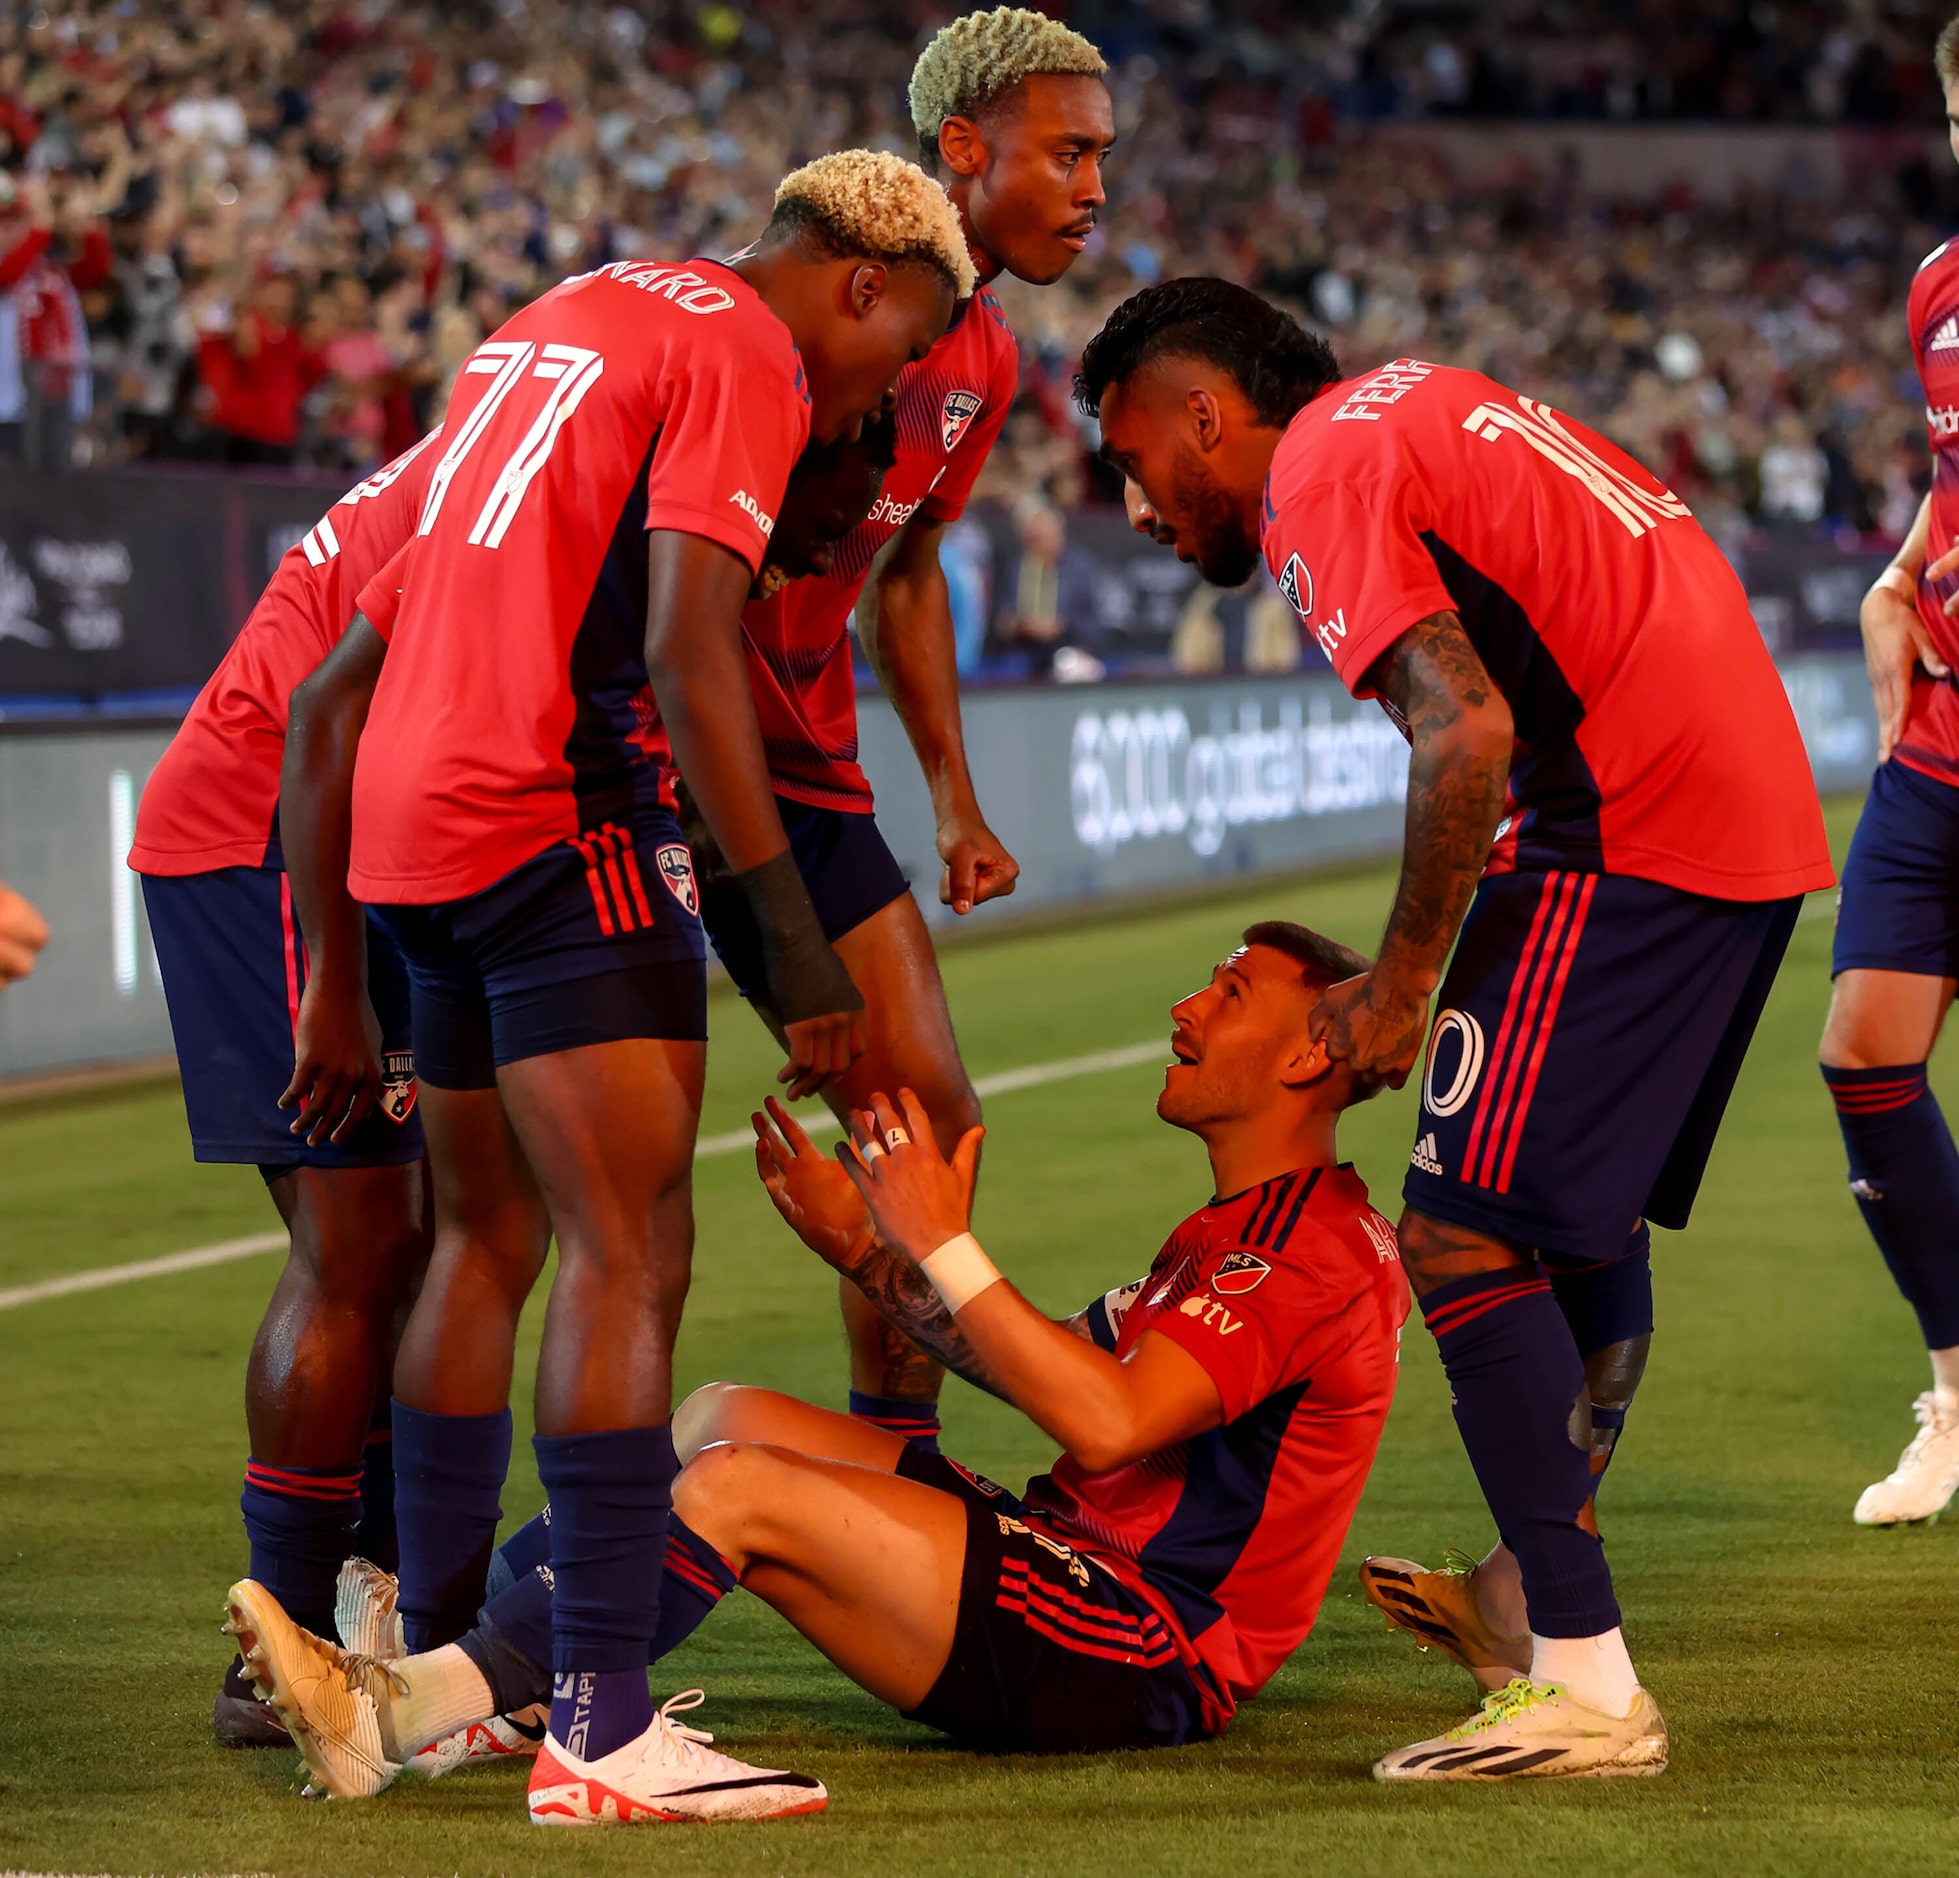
(917, 1197)
(811, 1192)
(23, 932)
(1372, 1025)
(336, 1078)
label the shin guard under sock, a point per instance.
(611, 1496)
(1904, 1172)
(449, 1474)
(1518, 1389)
(301, 1523)
(916, 1422)
(376, 1539)
(1609, 1305)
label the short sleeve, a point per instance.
(1258, 1327)
(380, 600)
(948, 497)
(1347, 552)
(736, 417)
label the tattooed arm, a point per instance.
(1461, 731)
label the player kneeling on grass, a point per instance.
(1219, 1418)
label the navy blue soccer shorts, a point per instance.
(595, 940)
(1051, 1652)
(1590, 1030)
(845, 863)
(1898, 910)
(234, 965)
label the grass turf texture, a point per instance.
(1804, 1665)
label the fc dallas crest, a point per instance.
(398, 1085)
(961, 407)
(677, 870)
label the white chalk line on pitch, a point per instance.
(1030, 1076)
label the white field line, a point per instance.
(1030, 1076)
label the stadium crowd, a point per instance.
(237, 232)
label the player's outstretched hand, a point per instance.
(918, 1199)
(978, 867)
(1896, 640)
(820, 1050)
(1373, 1024)
(23, 932)
(336, 1078)
(811, 1192)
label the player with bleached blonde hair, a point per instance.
(473, 762)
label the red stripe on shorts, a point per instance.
(1573, 933)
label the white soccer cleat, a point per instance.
(1926, 1476)
(502, 1738)
(364, 1611)
(1536, 1731)
(669, 1773)
(325, 1695)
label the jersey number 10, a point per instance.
(570, 371)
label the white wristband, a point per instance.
(1894, 580)
(959, 1271)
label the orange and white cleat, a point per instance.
(668, 1773)
(1439, 1610)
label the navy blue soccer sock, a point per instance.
(377, 1539)
(1904, 1172)
(449, 1474)
(520, 1555)
(1517, 1379)
(917, 1422)
(1609, 1305)
(301, 1523)
(611, 1496)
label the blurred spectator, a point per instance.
(256, 367)
(52, 250)
(1795, 474)
(1050, 608)
(1244, 629)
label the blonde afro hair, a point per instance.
(874, 204)
(971, 62)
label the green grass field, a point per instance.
(1806, 1667)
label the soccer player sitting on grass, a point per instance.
(1219, 1418)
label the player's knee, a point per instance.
(707, 1416)
(730, 1487)
(356, 1258)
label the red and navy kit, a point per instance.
(513, 808)
(1662, 822)
(514, 710)
(228, 944)
(1654, 736)
(213, 798)
(1098, 1599)
(1899, 911)
(1931, 735)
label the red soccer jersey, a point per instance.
(213, 799)
(1291, 1297)
(951, 404)
(1931, 736)
(1654, 737)
(514, 709)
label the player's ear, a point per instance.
(1305, 1063)
(962, 147)
(1206, 416)
(867, 283)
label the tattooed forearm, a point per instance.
(905, 1299)
(1461, 731)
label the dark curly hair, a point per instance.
(1324, 961)
(1275, 361)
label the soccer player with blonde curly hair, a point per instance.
(472, 761)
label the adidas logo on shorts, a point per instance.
(1425, 1156)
